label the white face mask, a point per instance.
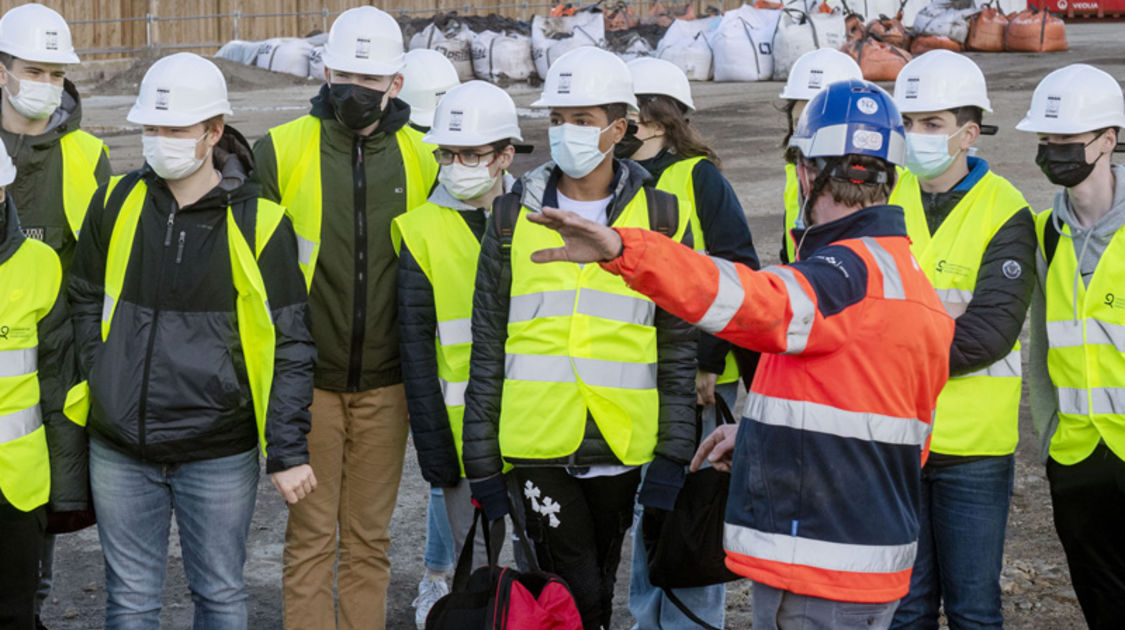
(575, 149)
(466, 182)
(927, 155)
(172, 158)
(36, 99)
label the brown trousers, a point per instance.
(356, 448)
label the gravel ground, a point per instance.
(745, 125)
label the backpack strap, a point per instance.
(663, 211)
(1050, 240)
(505, 214)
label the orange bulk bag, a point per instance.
(853, 27)
(766, 4)
(926, 43)
(889, 30)
(1035, 31)
(986, 30)
(878, 60)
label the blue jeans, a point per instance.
(213, 501)
(647, 603)
(963, 516)
(439, 538)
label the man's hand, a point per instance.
(586, 241)
(717, 448)
(705, 388)
(295, 483)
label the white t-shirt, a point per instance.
(592, 211)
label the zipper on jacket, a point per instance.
(180, 248)
(359, 308)
(142, 407)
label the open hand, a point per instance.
(294, 483)
(716, 448)
(705, 388)
(586, 241)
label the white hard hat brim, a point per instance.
(915, 107)
(340, 64)
(471, 140)
(145, 116)
(562, 101)
(61, 57)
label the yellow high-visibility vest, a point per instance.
(579, 340)
(255, 322)
(678, 180)
(297, 147)
(447, 251)
(977, 413)
(1086, 347)
(80, 154)
(29, 287)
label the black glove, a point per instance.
(492, 496)
(662, 484)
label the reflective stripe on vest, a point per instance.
(678, 179)
(579, 340)
(821, 554)
(445, 248)
(977, 413)
(1086, 347)
(252, 312)
(80, 155)
(18, 362)
(297, 149)
(809, 416)
(30, 281)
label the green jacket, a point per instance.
(38, 189)
(354, 292)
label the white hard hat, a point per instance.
(364, 40)
(1075, 99)
(36, 33)
(587, 76)
(939, 80)
(815, 70)
(657, 76)
(427, 76)
(180, 90)
(474, 114)
(7, 169)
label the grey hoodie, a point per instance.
(1089, 245)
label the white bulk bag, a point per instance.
(426, 38)
(316, 63)
(455, 43)
(799, 33)
(285, 54)
(685, 44)
(241, 51)
(743, 44)
(638, 47)
(502, 58)
(947, 18)
(551, 37)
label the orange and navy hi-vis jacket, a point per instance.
(827, 464)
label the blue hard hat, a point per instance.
(851, 118)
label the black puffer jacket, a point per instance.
(169, 384)
(676, 347)
(66, 441)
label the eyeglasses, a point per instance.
(445, 157)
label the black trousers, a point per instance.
(577, 526)
(21, 542)
(1089, 507)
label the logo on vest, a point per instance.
(1012, 269)
(953, 269)
(1112, 301)
(7, 333)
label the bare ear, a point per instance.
(327, 76)
(970, 136)
(619, 128)
(506, 157)
(395, 87)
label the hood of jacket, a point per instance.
(394, 118)
(538, 188)
(11, 237)
(67, 118)
(234, 161)
(1090, 243)
(872, 221)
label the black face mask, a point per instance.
(356, 106)
(1065, 164)
(629, 145)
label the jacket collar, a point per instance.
(872, 221)
(396, 117)
(539, 188)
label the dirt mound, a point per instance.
(618, 41)
(239, 77)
